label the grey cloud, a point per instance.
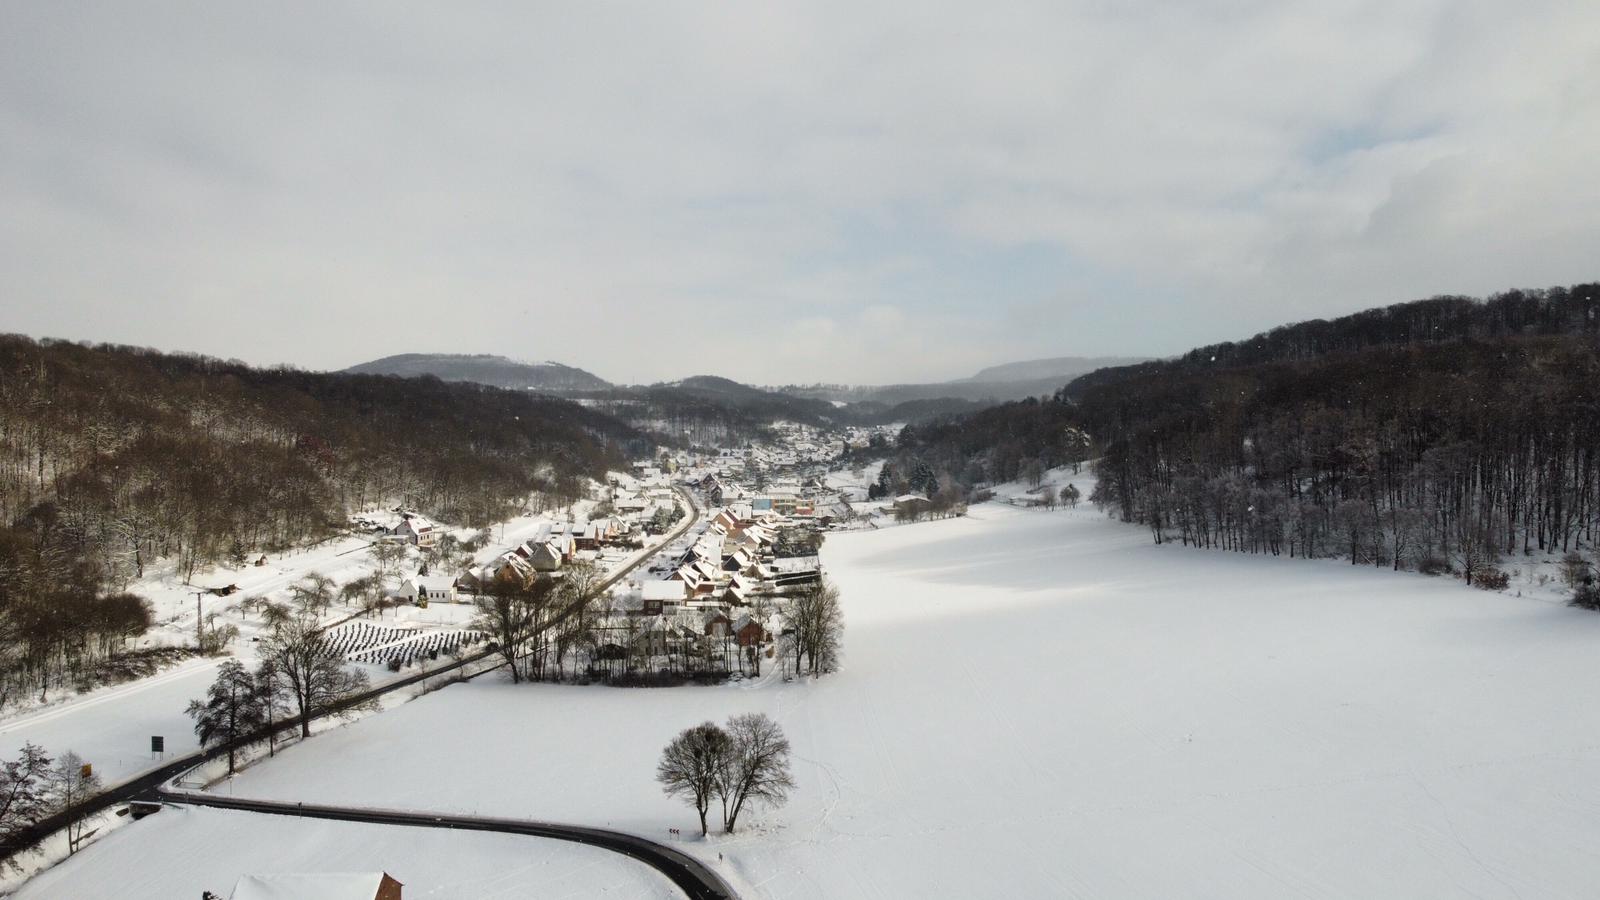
(608, 185)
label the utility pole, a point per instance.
(199, 623)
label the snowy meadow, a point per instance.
(182, 852)
(1044, 704)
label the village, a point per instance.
(707, 603)
(692, 567)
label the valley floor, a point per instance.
(1045, 704)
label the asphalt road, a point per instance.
(693, 877)
(150, 782)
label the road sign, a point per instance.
(158, 744)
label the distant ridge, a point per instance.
(996, 384)
(496, 371)
(1063, 367)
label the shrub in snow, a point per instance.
(1492, 579)
(1586, 596)
(1575, 570)
(1434, 565)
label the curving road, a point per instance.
(150, 782)
(691, 876)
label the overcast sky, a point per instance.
(779, 192)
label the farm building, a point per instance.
(912, 504)
(417, 530)
(432, 588)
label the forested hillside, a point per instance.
(1561, 310)
(111, 457)
(707, 410)
(1441, 434)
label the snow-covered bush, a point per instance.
(1491, 579)
(1586, 596)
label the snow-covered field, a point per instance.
(181, 852)
(1045, 704)
(111, 726)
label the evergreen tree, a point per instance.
(24, 793)
(232, 709)
(884, 486)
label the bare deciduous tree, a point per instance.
(818, 623)
(756, 768)
(510, 615)
(692, 766)
(270, 690)
(386, 559)
(313, 594)
(313, 672)
(73, 781)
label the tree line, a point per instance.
(1573, 310)
(1441, 435)
(299, 677)
(551, 629)
(536, 627)
(59, 625)
(1428, 457)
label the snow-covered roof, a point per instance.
(796, 564)
(309, 886)
(417, 522)
(663, 590)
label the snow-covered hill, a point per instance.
(497, 371)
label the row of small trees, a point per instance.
(742, 764)
(300, 672)
(536, 626)
(815, 635)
